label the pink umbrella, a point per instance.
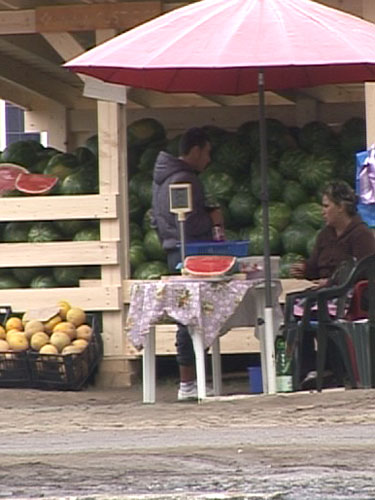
(236, 47)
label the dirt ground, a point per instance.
(108, 444)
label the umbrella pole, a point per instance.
(268, 313)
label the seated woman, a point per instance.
(344, 236)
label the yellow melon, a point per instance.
(33, 326)
(3, 334)
(76, 315)
(84, 332)
(13, 323)
(71, 349)
(18, 342)
(48, 349)
(4, 346)
(38, 340)
(51, 323)
(59, 340)
(12, 332)
(64, 308)
(80, 343)
(66, 327)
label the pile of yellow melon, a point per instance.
(65, 333)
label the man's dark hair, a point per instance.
(341, 193)
(192, 137)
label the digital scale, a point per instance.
(181, 203)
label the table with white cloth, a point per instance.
(208, 307)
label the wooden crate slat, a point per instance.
(64, 253)
(93, 206)
(108, 298)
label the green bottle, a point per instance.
(284, 371)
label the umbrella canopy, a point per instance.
(236, 47)
(217, 47)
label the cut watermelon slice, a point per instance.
(35, 183)
(8, 175)
(209, 265)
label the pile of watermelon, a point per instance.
(300, 161)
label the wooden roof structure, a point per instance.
(37, 36)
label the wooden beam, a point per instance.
(119, 16)
(19, 74)
(64, 44)
(56, 253)
(90, 206)
(17, 22)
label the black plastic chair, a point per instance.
(335, 328)
(295, 328)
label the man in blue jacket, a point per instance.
(194, 150)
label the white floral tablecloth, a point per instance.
(206, 306)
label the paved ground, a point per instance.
(107, 444)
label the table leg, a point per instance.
(148, 367)
(199, 363)
(216, 366)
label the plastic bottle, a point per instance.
(284, 370)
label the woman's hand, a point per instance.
(298, 269)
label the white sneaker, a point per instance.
(191, 393)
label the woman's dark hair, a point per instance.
(192, 137)
(341, 194)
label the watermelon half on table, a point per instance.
(209, 266)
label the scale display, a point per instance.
(180, 198)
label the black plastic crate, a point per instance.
(14, 369)
(68, 372)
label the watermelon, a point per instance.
(25, 274)
(137, 254)
(70, 227)
(317, 137)
(20, 152)
(153, 246)
(9, 281)
(218, 185)
(92, 273)
(88, 233)
(316, 171)
(255, 236)
(275, 184)
(209, 265)
(68, 275)
(61, 165)
(278, 213)
(43, 232)
(147, 159)
(295, 238)
(233, 154)
(291, 163)
(310, 244)
(35, 183)
(78, 182)
(310, 214)
(352, 137)
(16, 232)
(173, 145)
(8, 175)
(145, 131)
(85, 155)
(43, 281)
(147, 221)
(294, 194)
(151, 270)
(135, 232)
(135, 208)
(286, 261)
(91, 143)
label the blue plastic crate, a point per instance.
(235, 248)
